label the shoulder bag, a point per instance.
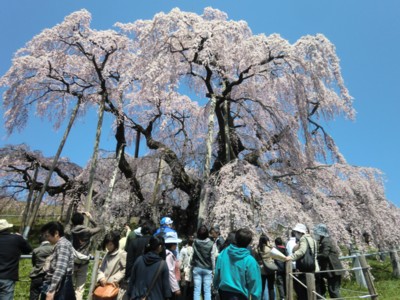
(107, 292)
(306, 263)
(153, 282)
(270, 267)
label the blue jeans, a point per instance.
(202, 276)
(7, 289)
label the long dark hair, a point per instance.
(263, 241)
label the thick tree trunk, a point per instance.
(46, 183)
(124, 166)
(93, 163)
(186, 220)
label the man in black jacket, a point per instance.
(11, 248)
(136, 247)
(328, 259)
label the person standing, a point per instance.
(186, 268)
(136, 246)
(165, 226)
(203, 263)
(112, 269)
(281, 272)
(58, 279)
(291, 243)
(171, 243)
(265, 254)
(81, 236)
(37, 274)
(148, 268)
(306, 243)
(237, 274)
(215, 233)
(328, 259)
(11, 248)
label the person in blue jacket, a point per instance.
(165, 226)
(237, 273)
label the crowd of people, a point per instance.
(156, 263)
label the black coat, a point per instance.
(328, 257)
(11, 248)
(143, 272)
(134, 250)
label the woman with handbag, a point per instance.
(265, 255)
(112, 270)
(150, 275)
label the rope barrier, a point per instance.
(352, 291)
(338, 270)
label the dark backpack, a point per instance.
(306, 264)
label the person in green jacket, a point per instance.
(237, 273)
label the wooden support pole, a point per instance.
(310, 279)
(394, 259)
(368, 277)
(94, 274)
(289, 280)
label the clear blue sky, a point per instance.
(366, 34)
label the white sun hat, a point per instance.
(4, 224)
(300, 228)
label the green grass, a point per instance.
(385, 284)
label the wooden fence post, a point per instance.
(368, 277)
(289, 280)
(310, 279)
(94, 274)
(394, 259)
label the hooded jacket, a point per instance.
(81, 235)
(237, 271)
(143, 271)
(204, 253)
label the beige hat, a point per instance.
(4, 224)
(300, 228)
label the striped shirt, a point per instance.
(62, 263)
